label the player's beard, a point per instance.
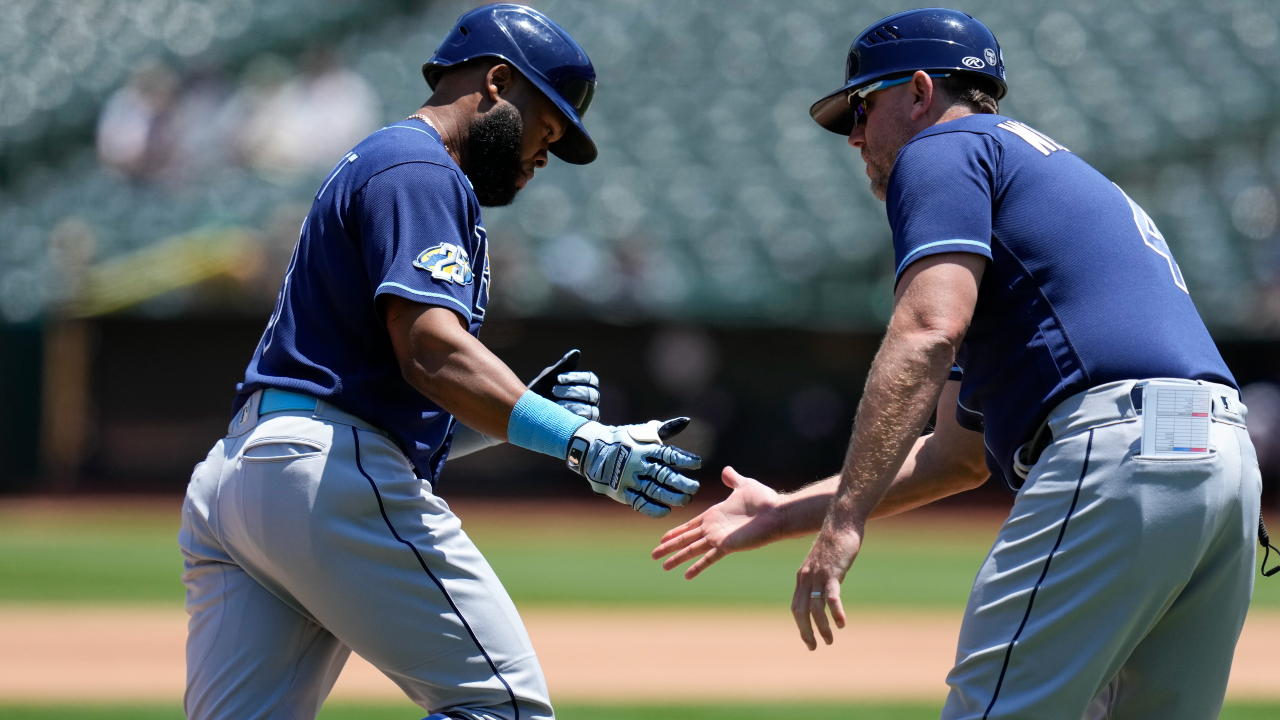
(494, 142)
(881, 156)
(879, 171)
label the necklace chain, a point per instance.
(423, 118)
(427, 120)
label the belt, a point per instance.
(276, 400)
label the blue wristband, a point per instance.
(542, 426)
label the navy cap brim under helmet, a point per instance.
(935, 40)
(541, 51)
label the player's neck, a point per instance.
(955, 112)
(448, 122)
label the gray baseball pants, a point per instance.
(1118, 586)
(306, 535)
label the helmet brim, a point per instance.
(833, 112)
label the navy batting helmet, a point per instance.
(541, 50)
(935, 40)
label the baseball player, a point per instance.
(1038, 308)
(314, 529)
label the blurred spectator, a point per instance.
(307, 122)
(199, 127)
(130, 129)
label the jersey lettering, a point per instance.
(1154, 240)
(1034, 138)
(482, 297)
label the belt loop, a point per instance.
(1028, 454)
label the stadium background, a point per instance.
(722, 259)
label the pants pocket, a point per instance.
(276, 449)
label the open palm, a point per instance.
(746, 520)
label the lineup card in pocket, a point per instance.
(1175, 420)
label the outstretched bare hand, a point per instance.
(748, 519)
(818, 582)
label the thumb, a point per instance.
(731, 477)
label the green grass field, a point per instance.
(131, 556)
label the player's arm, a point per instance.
(933, 307)
(450, 366)
(947, 461)
(943, 463)
(443, 361)
(417, 250)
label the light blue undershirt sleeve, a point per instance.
(542, 426)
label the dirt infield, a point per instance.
(135, 654)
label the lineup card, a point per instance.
(1175, 420)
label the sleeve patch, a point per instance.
(447, 262)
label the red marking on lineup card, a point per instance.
(1199, 414)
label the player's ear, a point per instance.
(498, 81)
(922, 92)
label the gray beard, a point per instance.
(879, 180)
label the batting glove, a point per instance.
(631, 464)
(577, 392)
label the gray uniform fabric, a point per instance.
(1118, 586)
(306, 535)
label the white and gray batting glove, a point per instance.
(577, 392)
(630, 464)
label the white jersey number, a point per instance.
(1154, 240)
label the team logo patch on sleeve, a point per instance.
(447, 262)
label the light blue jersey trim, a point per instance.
(542, 426)
(423, 293)
(406, 127)
(907, 260)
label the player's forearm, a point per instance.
(444, 362)
(902, 391)
(801, 513)
(928, 474)
(471, 384)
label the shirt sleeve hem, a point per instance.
(942, 246)
(424, 297)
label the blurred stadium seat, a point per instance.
(158, 156)
(714, 199)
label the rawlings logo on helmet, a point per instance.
(447, 262)
(973, 62)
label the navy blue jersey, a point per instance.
(396, 217)
(1081, 288)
